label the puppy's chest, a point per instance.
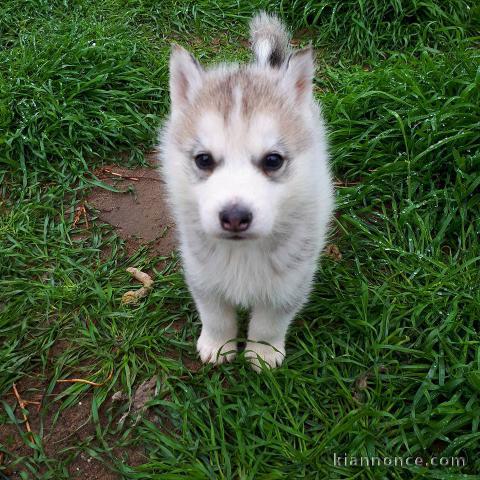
(243, 275)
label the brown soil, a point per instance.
(139, 214)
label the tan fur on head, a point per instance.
(246, 92)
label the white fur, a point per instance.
(271, 272)
(263, 50)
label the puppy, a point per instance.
(244, 157)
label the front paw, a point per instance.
(214, 350)
(263, 354)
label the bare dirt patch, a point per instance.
(140, 213)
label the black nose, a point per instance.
(235, 218)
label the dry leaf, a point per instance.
(133, 296)
(143, 394)
(333, 252)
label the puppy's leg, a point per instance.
(219, 327)
(266, 336)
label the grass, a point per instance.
(385, 358)
(357, 28)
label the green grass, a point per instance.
(357, 28)
(385, 358)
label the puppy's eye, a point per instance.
(272, 162)
(204, 161)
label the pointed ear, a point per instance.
(300, 70)
(185, 76)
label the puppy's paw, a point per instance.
(212, 350)
(262, 354)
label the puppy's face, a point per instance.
(241, 142)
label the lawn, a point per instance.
(384, 361)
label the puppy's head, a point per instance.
(240, 143)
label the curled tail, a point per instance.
(270, 40)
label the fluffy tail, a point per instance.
(270, 40)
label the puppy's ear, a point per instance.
(186, 76)
(300, 70)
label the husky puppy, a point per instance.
(244, 157)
